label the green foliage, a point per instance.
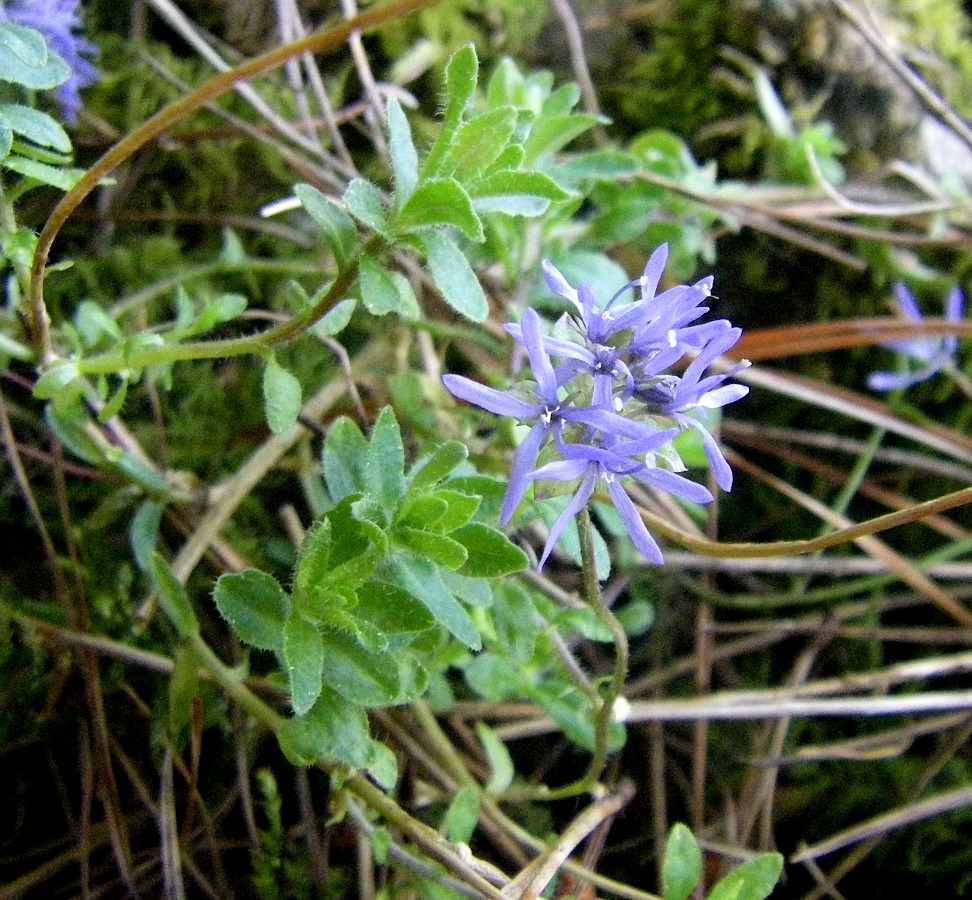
(32, 143)
(372, 575)
(682, 865)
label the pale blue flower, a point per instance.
(607, 463)
(608, 399)
(933, 355)
(545, 409)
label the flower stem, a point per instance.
(604, 708)
(592, 592)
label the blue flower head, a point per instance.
(60, 23)
(606, 401)
(933, 355)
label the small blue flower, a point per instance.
(59, 21)
(934, 354)
(604, 393)
(547, 411)
(609, 462)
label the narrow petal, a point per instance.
(906, 300)
(674, 484)
(730, 393)
(573, 508)
(489, 398)
(539, 361)
(720, 468)
(561, 470)
(558, 284)
(654, 270)
(524, 460)
(955, 305)
(634, 524)
(890, 381)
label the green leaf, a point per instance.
(378, 291)
(303, 650)
(143, 533)
(437, 465)
(489, 489)
(516, 193)
(313, 562)
(550, 133)
(479, 143)
(420, 578)
(392, 610)
(603, 165)
(336, 320)
(172, 596)
(383, 768)
(6, 138)
(55, 379)
(183, 689)
(365, 204)
(462, 816)
(232, 254)
(454, 277)
(332, 727)
(95, 325)
(460, 84)
(36, 126)
(438, 548)
(511, 158)
(491, 553)
(117, 401)
(515, 621)
(561, 101)
(440, 202)
(281, 397)
(500, 762)
(25, 59)
(460, 510)
(366, 677)
(343, 458)
(505, 85)
(682, 867)
(403, 154)
(56, 176)
(218, 310)
(472, 591)
(255, 605)
(423, 511)
(384, 472)
(636, 617)
(338, 228)
(753, 880)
